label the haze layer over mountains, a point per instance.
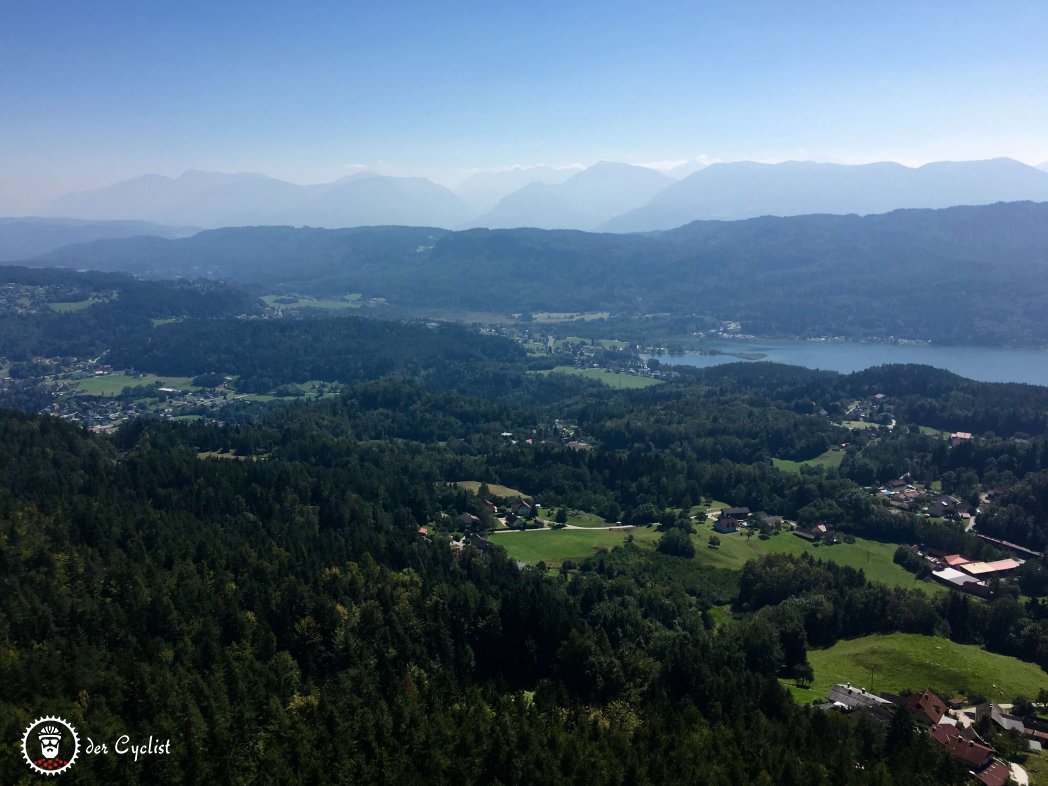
(607, 196)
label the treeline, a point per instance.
(1020, 515)
(268, 353)
(282, 621)
(127, 312)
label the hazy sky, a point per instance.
(98, 91)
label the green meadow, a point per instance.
(613, 379)
(907, 661)
(553, 546)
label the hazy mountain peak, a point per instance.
(483, 190)
(583, 201)
(747, 189)
(212, 199)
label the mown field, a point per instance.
(327, 304)
(734, 551)
(874, 558)
(112, 384)
(906, 661)
(70, 306)
(494, 488)
(556, 545)
(578, 518)
(831, 459)
(612, 379)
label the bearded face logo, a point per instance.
(57, 743)
(50, 738)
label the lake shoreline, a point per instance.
(984, 364)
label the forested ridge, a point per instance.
(908, 273)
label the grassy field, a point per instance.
(610, 378)
(859, 424)
(555, 546)
(578, 518)
(1036, 766)
(906, 661)
(76, 305)
(831, 459)
(329, 304)
(933, 432)
(874, 558)
(568, 316)
(112, 384)
(494, 488)
(206, 454)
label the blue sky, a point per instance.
(93, 92)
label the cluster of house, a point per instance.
(904, 495)
(953, 730)
(972, 576)
(730, 519)
(520, 513)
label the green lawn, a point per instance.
(112, 384)
(578, 518)
(831, 459)
(1036, 766)
(76, 305)
(874, 558)
(568, 316)
(933, 432)
(859, 424)
(555, 546)
(494, 488)
(612, 379)
(906, 661)
(329, 304)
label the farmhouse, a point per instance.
(853, 698)
(977, 757)
(468, 520)
(725, 525)
(926, 708)
(736, 513)
(821, 532)
(523, 509)
(960, 437)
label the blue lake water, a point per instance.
(987, 364)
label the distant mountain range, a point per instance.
(584, 201)
(483, 190)
(747, 189)
(210, 199)
(608, 196)
(21, 238)
(963, 274)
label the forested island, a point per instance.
(334, 549)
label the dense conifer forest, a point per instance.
(276, 590)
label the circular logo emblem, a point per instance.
(50, 745)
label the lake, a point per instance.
(987, 364)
